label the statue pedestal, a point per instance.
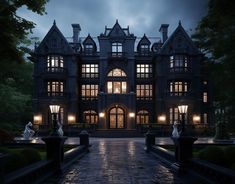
(183, 151)
(55, 150)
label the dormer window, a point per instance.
(116, 49)
(144, 49)
(88, 49)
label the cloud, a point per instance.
(93, 15)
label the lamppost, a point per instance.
(183, 144)
(54, 111)
(183, 111)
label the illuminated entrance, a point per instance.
(116, 117)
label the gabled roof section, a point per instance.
(89, 40)
(54, 42)
(179, 42)
(117, 31)
(144, 41)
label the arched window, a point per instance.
(119, 85)
(116, 117)
(117, 73)
(90, 117)
(142, 117)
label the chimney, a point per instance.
(164, 30)
(76, 32)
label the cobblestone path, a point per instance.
(118, 162)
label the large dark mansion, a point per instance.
(117, 80)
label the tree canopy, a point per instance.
(15, 72)
(215, 34)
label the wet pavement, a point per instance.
(117, 161)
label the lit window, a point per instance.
(61, 115)
(88, 49)
(90, 117)
(116, 49)
(178, 88)
(205, 119)
(55, 63)
(174, 115)
(144, 49)
(179, 63)
(205, 97)
(89, 91)
(144, 92)
(55, 88)
(142, 117)
(205, 82)
(116, 73)
(143, 70)
(116, 87)
(90, 71)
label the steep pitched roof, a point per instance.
(54, 41)
(144, 40)
(89, 40)
(117, 31)
(179, 40)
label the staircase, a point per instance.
(116, 133)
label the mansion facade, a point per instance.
(118, 82)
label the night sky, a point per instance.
(143, 16)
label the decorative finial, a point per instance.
(54, 23)
(179, 22)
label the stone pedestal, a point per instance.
(55, 150)
(183, 151)
(84, 138)
(149, 140)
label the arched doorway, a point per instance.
(116, 117)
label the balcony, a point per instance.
(180, 70)
(52, 71)
(116, 55)
(54, 95)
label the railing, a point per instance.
(69, 129)
(166, 129)
(116, 54)
(180, 70)
(55, 70)
(183, 93)
(54, 94)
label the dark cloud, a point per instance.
(142, 16)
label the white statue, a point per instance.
(60, 130)
(28, 132)
(175, 132)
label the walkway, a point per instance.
(117, 161)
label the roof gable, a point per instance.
(179, 42)
(54, 42)
(117, 31)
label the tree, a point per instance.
(215, 34)
(15, 72)
(14, 29)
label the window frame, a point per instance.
(86, 70)
(144, 91)
(144, 71)
(89, 91)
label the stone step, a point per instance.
(116, 133)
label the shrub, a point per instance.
(14, 161)
(212, 154)
(229, 153)
(31, 155)
(6, 137)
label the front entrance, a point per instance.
(116, 117)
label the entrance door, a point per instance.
(116, 117)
